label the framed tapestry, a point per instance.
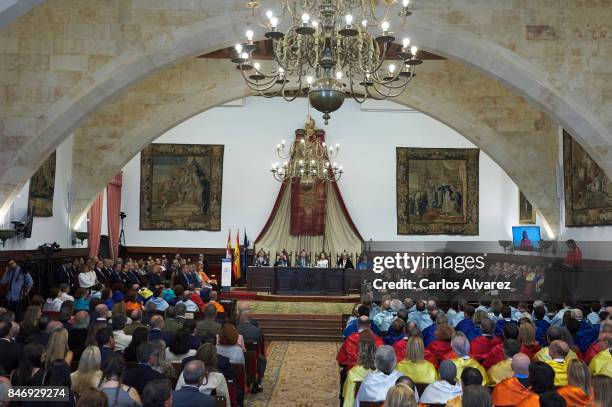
(437, 191)
(588, 191)
(42, 186)
(527, 214)
(180, 187)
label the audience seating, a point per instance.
(250, 366)
(240, 375)
(219, 401)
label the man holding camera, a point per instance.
(19, 283)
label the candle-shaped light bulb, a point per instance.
(249, 35)
(244, 56)
(385, 26)
(269, 14)
(349, 19)
(305, 18)
(364, 23)
(406, 42)
(391, 68)
(257, 66)
(309, 80)
(405, 3)
(338, 75)
(337, 145)
(238, 48)
(414, 50)
(274, 22)
(315, 24)
(283, 142)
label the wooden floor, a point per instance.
(300, 327)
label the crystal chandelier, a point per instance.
(308, 159)
(330, 56)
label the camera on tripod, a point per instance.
(122, 215)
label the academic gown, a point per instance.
(509, 392)
(575, 396)
(349, 351)
(482, 345)
(531, 350)
(469, 328)
(441, 351)
(400, 353)
(602, 363)
(466, 361)
(495, 356)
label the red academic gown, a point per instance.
(482, 345)
(349, 351)
(531, 350)
(593, 350)
(441, 351)
(496, 356)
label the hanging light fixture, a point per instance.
(330, 56)
(308, 159)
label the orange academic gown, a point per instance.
(509, 392)
(575, 396)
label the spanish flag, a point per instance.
(237, 271)
(228, 251)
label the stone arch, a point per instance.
(11, 10)
(451, 112)
(221, 30)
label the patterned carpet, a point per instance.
(299, 374)
(324, 308)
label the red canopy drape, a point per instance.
(113, 207)
(94, 226)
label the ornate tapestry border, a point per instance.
(146, 166)
(579, 217)
(471, 156)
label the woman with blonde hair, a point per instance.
(29, 325)
(529, 345)
(88, 374)
(400, 395)
(57, 347)
(578, 391)
(602, 390)
(414, 365)
(365, 365)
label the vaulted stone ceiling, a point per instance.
(515, 71)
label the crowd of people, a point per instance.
(125, 333)
(409, 353)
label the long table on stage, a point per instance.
(304, 280)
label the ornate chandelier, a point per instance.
(308, 159)
(330, 56)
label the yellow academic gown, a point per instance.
(602, 363)
(560, 368)
(356, 374)
(500, 371)
(543, 356)
(419, 372)
(467, 361)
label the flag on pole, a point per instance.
(245, 251)
(237, 270)
(228, 250)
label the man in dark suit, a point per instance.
(9, 349)
(189, 395)
(345, 262)
(154, 277)
(77, 336)
(106, 343)
(302, 260)
(140, 375)
(64, 275)
(252, 334)
(157, 330)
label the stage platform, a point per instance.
(242, 294)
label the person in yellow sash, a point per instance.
(414, 365)
(461, 346)
(602, 363)
(365, 365)
(558, 351)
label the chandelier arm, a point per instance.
(298, 90)
(389, 94)
(255, 85)
(380, 63)
(360, 101)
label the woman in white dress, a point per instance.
(323, 262)
(213, 380)
(87, 277)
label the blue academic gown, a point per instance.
(351, 328)
(469, 328)
(541, 327)
(585, 336)
(501, 324)
(429, 335)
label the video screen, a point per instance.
(526, 237)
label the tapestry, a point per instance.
(437, 191)
(180, 187)
(527, 214)
(308, 202)
(42, 186)
(588, 191)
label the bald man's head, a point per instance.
(558, 349)
(520, 363)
